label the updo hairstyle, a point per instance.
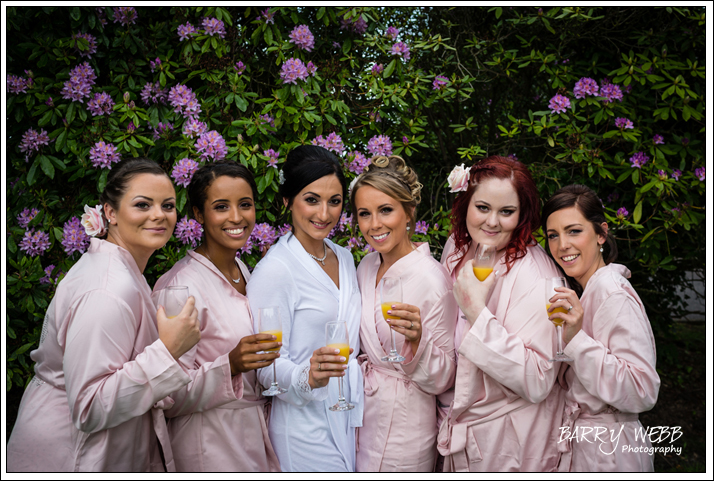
(392, 176)
(119, 178)
(304, 165)
(204, 177)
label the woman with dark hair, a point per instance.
(218, 421)
(312, 281)
(504, 411)
(399, 428)
(103, 369)
(612, 377)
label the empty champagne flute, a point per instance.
(337, 337)
(550, 284)
(173, 298)
(484, 261)
(390, 293)
(269, 322)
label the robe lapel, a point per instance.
(301, 255)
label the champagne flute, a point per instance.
(550, 284)
(269, 323)
(173, 298)
(337, 337)
(484, 261)
(390, 293)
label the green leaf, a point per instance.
(551, 142)
(47, 167)
(59, 233)
(102, 181)
(268, 35)
(146, 140)
(70, 113)
(45, 118)
(74, 13)
(181, 199)
(389, 69)
(162, 79)
(241, 103)
(31, 173)
(637, 215)
(347, 45)
(11, 246)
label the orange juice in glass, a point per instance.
(269, 322)
(337, 337)
(277, 334)
(550, 284)
(391, 293)
(484, 261)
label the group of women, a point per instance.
(121, 387)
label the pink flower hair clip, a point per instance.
(93, 221)
(459, 178)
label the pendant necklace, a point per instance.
(205, 252)
(321, 260)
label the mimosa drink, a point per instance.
(385, 307)
(482, 272)
(278, 334)
(557, 321)
(344, 351)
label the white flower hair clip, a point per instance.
(281, 177)
(352, 184)
(459, 178)
(93, 221)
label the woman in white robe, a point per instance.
(312, 281)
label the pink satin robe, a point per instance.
(100, 369)
(217, 423)
(399, 425)
(613, 377)
(507, 406)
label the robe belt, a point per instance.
(452, 437)
(572, 413)
(370, 384)
(162, 431)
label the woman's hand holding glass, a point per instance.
(326, 362)
(408, 323)
(471, 293)
(244, 357)
(180, 332)
(572, 320)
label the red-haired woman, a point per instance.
(504, 411)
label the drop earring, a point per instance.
(601, 249)
(408, 228)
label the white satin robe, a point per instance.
(611, 379)
(399, 427)
(507, 405)
(217, 422)
(307, 436)
(100, 369)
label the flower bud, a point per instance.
(127, 97)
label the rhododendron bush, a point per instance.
(609, 97)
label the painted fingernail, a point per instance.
(337, 351)
(342, 359)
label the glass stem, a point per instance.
(342, 397)
(394, 343)
(559, 331)
(275, 376)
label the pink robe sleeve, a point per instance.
(105, 387)
(211, 383)
(520, 365)
(433, 366)
(621, 372)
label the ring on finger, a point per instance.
(319, 367)
(570, 308)
(412, 326)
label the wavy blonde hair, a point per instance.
(392, 176)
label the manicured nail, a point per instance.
(342, 359)
(337, 351)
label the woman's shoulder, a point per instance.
(184, 271)
(611, 280)
(536, 260)
(433, 270)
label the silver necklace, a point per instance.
(205, 252)
(321, 260)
